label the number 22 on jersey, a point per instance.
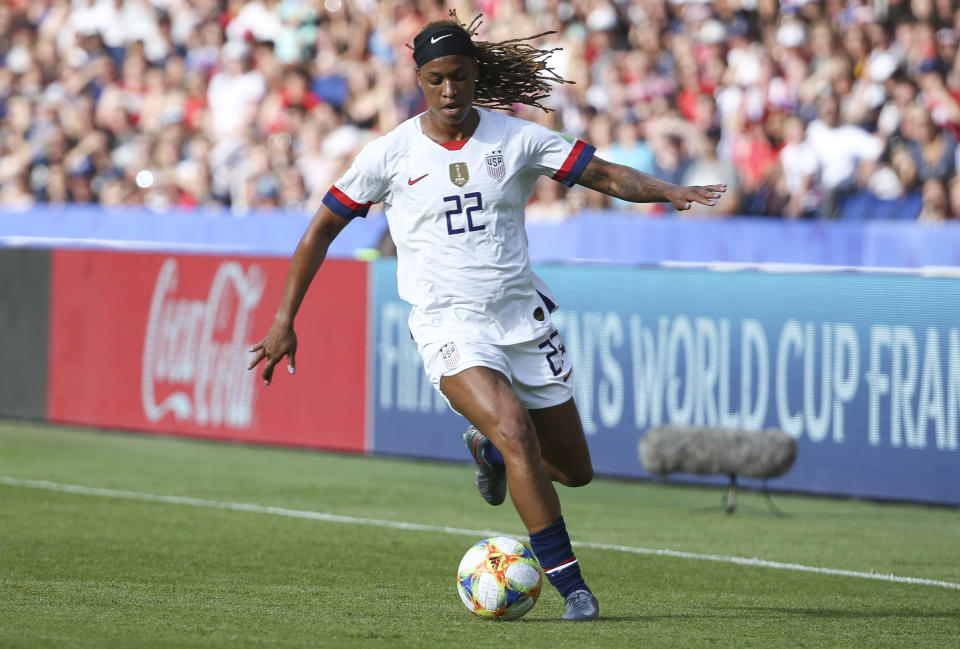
(471, 203)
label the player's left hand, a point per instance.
(682, 197)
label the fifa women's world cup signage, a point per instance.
(161, 343)
(862, 370)
(808, 379)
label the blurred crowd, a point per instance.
(804, 109)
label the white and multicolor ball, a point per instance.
(499, 578)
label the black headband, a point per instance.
(435, 42)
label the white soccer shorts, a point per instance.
(539, 371)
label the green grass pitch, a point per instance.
(108, 570)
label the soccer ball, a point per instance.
(499, 578)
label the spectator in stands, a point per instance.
(942, 103)
(755, 159)
(54, 188)
(936, 207)
(15, 194)
(673, 140)
(234, 92)
(547, 204)
(291, 193)
(905, 166)
(845, 154)
(79, 186)
(115, 192)
(933, 149)
(903, 92)
(953, 197)
(629, 148)
(708, 169)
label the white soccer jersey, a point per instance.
(455, 212)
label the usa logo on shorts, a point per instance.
(450, 356)
(495, 166)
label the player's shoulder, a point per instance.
(508, 123)
(401, 135)
(518, 135)
(521, 132)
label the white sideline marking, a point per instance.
(418, 527)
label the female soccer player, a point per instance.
(454, 182)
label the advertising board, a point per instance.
(159, 342)
(863, 370)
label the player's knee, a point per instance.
(517, 440)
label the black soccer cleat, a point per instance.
(491, 480)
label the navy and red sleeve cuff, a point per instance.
(344, 206)
(576, 162)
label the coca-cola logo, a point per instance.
(195, 352)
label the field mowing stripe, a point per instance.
(418, 527)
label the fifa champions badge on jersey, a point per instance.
(495, 166)
(459, 174)
(450, 355)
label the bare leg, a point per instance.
(563, 444)
(485, 398)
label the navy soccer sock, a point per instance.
(492, 456)
(552, 547)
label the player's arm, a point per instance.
(281, 340)
(637, 187)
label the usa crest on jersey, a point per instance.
(495, 166)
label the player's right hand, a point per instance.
(280, 341)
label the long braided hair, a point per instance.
(510, 72)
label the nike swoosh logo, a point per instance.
(416, 180)
(435, 39)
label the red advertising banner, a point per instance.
(160, 342)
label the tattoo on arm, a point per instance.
(623, 182)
